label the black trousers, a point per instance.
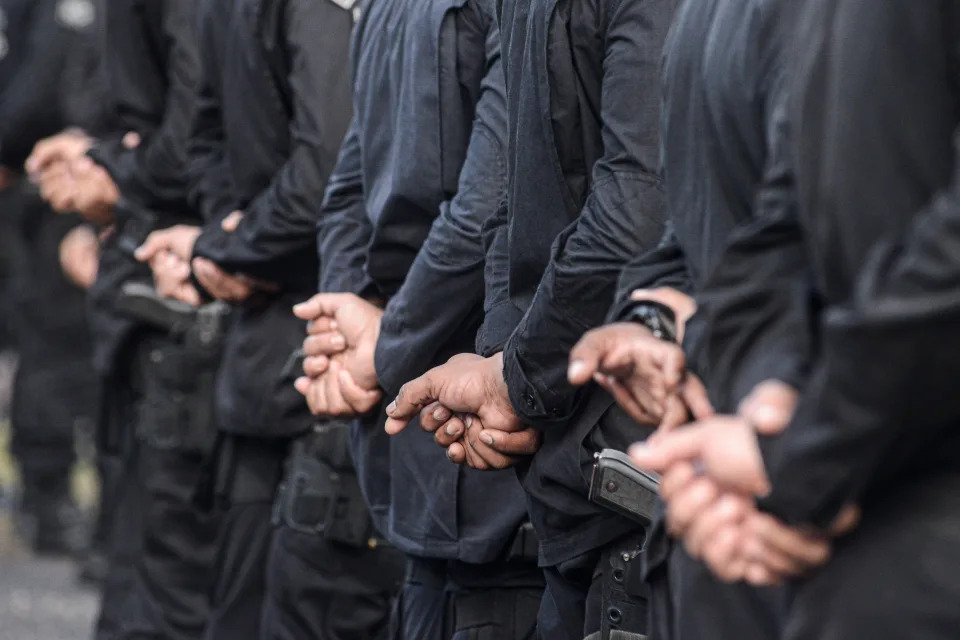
(573, 606)
(328, 591)
(124, 541)
(174, 572)
(50, 401)
(894, 577)
(688, 603)
(162, 547)
(450, 600)
(247, 472)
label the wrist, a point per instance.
(658, 318)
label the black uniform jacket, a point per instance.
(727, 172)
(35, 43)
(151, 68)
(875, 112)
(585, 196)
(421, 171)
(273, 107)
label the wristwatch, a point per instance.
(658, 318)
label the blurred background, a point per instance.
(42, 595)
(50, 549)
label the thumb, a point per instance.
(846, 521)
(669, 448)
(360, 400)
(302, 385)
(413, 397)
(322, 304)
(585, 358)
(770, 406)
(232, 221)
(131, 140)
(154, 244)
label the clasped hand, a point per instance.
(465, 404)
(169, 252)
(339, 374)
(712, 473)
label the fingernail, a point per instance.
(298, 307)
(468, 421)
(450, 456)
(391, 408)
(440, 414)
(334, 325)
(638, 449)
(451, 430)
(337, 341)
(486, 438)
(577, 369)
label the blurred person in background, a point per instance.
(45, 307)
(157, 362)
(274, 106)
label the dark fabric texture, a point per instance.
(887, 282)
(152, 67)
(327, 591)
(892, 577)
(273, 106)
(174, 571)
(151, 72)
(452, 600)
(584, 197)
(688, 602)
(37, 47)
(248, 471)
(117, 602)
(239, 590)
(575, 603)
(728, 176)
(420, 172)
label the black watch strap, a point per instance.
(655, 316)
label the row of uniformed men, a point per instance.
(767, 183)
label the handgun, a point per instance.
(620, 486)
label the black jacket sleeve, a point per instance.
(500, 315)
(279, 224)
(29, 103)
(344, 229)
(445, 285)
(881, 405)
(757, 308)
(623, 217)
(884, 388)
(153, 175)
(665, 266)
(210, 186)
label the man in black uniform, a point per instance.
(718, 179)
(274, 106)
(46, 311)
(156, 409)
(878, 217)
(401, 226)
(584, 197)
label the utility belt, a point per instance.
(176, 368)
(320, 494)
